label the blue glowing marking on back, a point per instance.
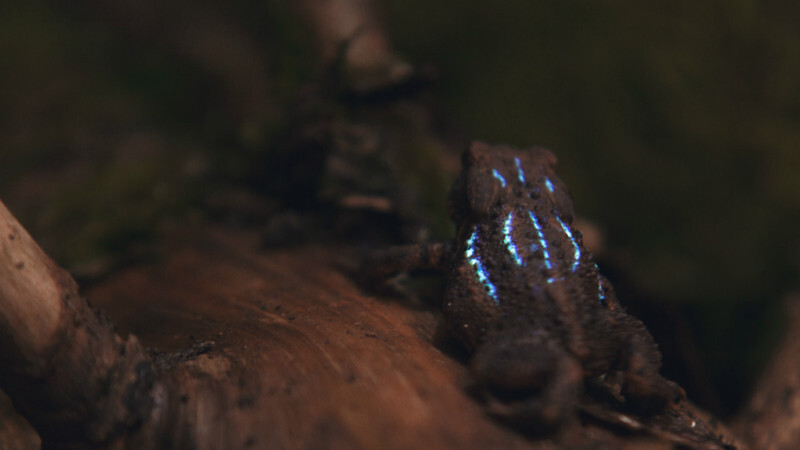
(549, 185)
(543, 243)
(510, 245)
(577, 254)
(475, 262)
(520, 172)
(499, 177)
(601, 294)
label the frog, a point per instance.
(526, 299)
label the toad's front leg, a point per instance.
(383, 264)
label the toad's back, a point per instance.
(519, 264)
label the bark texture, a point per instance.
(64, 368)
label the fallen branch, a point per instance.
(64, 368)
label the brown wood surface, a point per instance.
(252, 348)
(297, 356)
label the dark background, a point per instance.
(675, 124)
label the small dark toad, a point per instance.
(526, 298)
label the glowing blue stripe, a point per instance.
(475, 262)
(601, 294)
(510, 245)
(499, 177)
(574, 244)
(549, 185)
(547, 263)
(520, 173)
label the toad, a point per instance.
(526, 298)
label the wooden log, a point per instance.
(65, 369)
(251, 349)
(263, 351)
(290, 353)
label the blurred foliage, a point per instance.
(677, 126)
(112, 123)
